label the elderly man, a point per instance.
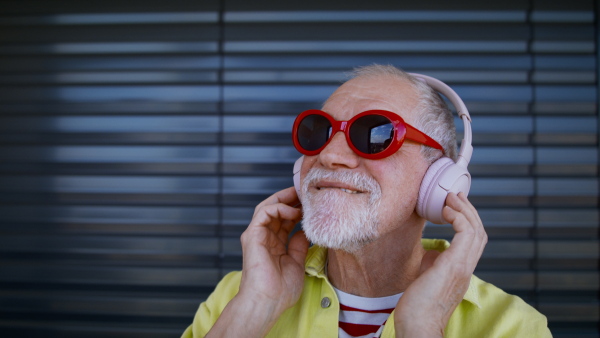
(369, 272)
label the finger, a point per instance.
(298, 247)
(470, 238)
(286, 196)
(474, 219)
(275, 215)
(286, 228)
(463, 243)
(462, 205)
(459, 221)
(472, 211)
(464, 218)
(462, 215)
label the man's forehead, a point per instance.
(360, 94)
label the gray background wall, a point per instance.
(136, 137)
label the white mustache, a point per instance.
(356, 180)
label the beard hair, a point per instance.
(334, 221)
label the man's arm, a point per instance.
(427, 304)
(273, 269)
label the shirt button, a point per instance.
(325, 302)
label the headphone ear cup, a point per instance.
(296, 171)
(442, 177)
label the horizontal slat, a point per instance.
(96, 35)
(572, 312)
(384, 31)
(269, 5)
(71, 48)
(78, 303)
(67, 328)
(113, 124)
(99, 245)
(122, 215)
(126, 276)
(183, 93)
(112, 19)
(398, 46)
(115, 6)
(110, 62)
(420, 60)
(110, 154)
(110, 77)
(107, 108)
(379, 16)
(109, 184)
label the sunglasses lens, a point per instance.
(372, 134)
(313, 132)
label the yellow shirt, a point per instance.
(485, 311)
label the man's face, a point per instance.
(348, 200)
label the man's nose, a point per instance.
(338, 154)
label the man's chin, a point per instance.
(334, 235)
(351, 247)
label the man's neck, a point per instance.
(384, 267)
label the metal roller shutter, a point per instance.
(137, 137)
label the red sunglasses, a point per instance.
(373, 134)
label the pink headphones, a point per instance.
(444, 175)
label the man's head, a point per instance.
(350, 201)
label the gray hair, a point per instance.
(433, 117)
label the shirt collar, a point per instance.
(316, 260)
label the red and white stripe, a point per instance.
(362, 317)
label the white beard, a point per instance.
(339, 220)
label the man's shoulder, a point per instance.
(224, 292)
(490, 310)
(493, 298)
(210, 310)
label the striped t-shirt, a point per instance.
(362, 317)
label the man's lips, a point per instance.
(336, 185)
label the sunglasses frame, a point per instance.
(402, 131)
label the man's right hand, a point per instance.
(273, 269)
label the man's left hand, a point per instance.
(427, 304)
